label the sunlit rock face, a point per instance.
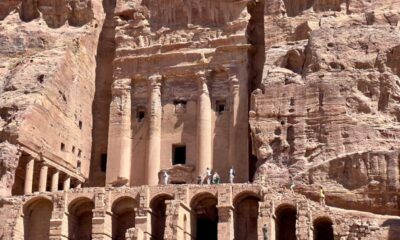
(328, 111)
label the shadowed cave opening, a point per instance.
(206, 217)
(323, 229)
(285, 225)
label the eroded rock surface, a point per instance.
(327, 113)
(47, 79)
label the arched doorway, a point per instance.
(323, 229)
(123, 217)
(246, 217)
(37, 215)
(80, 219)
(285, 225)
(205, 216)
(158, 216)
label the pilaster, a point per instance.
(154, 133)
(204, 125)
(101, 222)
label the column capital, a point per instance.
(121, 85)
(234, 84)
(155, 81)
(201, 78)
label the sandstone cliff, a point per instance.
(328, 111)
(47, 81)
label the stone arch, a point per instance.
(123, 217)
(246, 215)
(285, 222)
(80, 219)
(204, 216)
(323, 229)
(158, 216)
(37, 215)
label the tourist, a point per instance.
(199, 180)
(216, 179)
(165, 177)
(231, 175)
(291, 184)
(208, 175)
(322, 196)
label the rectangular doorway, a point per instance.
(178, 154)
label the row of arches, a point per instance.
(204, 219)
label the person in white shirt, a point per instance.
(165, 177)
(231, 175)
(208, 175)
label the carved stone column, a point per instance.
(29, 176)
(120, 134)
(43, 178)
(102, 219)
(233, 121)
(67, 183)
(54, 180)
(154, 134)
(204, 126)
(225, 223)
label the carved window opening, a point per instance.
(180, 106)
(140, 114)
(178, 154)
(78, 165)
(220, 106)
(80, 124)
(79, 153)
(73, 149)
(62, 146)
(323, 229)
(103, 162)
(291, 101)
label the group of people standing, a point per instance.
(208, 177)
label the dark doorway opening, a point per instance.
(179, 154)
(323, 229)
(246, 218)
(285, 225)
(158, 217)
(206, 215)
